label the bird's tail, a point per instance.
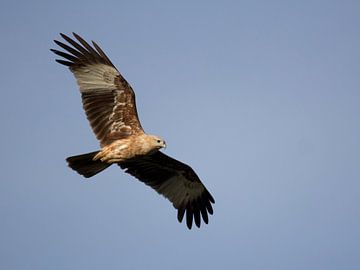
(85, 165)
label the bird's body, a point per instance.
(128, 148)
(109, 104)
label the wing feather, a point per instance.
(108, 99)
(109, 104)
(177, 182)
(68, 48)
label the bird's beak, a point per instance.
(164, 145)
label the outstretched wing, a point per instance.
(177, 182)
(108, 99)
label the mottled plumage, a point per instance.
(109, 104)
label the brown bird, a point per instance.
(109, 104)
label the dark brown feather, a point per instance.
(75, 44)
(102, 54)
(86, 45)
(158, 171)
(109, 103)
(65, 63)
(68, 48)
(111, 112)
(65, 55)
(85, 165)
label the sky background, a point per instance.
(261, 98)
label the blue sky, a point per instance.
(261, 98)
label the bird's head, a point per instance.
(157, 142)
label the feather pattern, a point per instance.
(109, 104)
(177, 182)
(108, 99)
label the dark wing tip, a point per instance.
(79, 52)
(204, 215)
(65, 63)
(75, 35)
(189, 218)
(180, 215)
(209, 208)
(63, 36)
(156, 169)
(197, 218)
(196, 210)
(211, 198)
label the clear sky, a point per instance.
(261, 98)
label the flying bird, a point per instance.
(109, 104)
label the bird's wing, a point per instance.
(108, 99)
(177, 182)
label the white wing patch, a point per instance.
(97, 76)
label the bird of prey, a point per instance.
(109, 104)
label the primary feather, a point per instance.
(110, 107)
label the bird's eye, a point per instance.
(158, 141)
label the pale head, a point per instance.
(157, 142)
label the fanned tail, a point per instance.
(85, 165)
